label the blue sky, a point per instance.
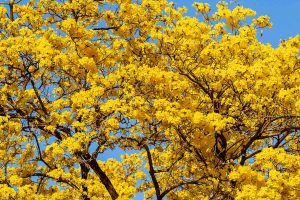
(284, 14)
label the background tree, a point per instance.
(210, 112)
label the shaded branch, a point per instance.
(194, 182)
(39, 98)
(107, 28)
(39, 151)
(92, 162)
(84, 174)
(198, 153)
(152, 172)
(60, 180)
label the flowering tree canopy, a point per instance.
(205, 110)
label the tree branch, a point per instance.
(107, 28)
(152, 172)
(92, 162)
(194, 182)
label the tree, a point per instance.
(208, 110)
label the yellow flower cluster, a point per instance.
(274, 175)
(263, 21)
(202, 7)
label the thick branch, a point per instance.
(11, 10)
(107, 28)
(152, 173)
(92, 162)
(84, 175)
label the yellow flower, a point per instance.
(263, 21)
(202, 7)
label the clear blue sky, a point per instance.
(284, 14)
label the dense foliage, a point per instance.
(203, 108)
